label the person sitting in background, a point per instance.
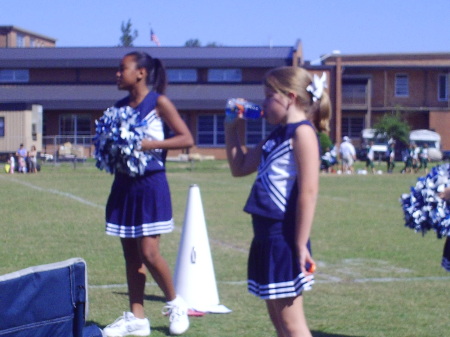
(329, 160)
(326, 163)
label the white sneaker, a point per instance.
(177, 310)
(128, 325)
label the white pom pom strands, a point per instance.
(119, 133)
(423, 208)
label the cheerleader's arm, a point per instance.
(306, 152)
(242, 160)
(182, 136)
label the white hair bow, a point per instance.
(317, 85)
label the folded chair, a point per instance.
(46, 301)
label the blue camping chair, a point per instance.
(46, 301)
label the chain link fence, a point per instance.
(67, 148)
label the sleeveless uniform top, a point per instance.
(156, 128)
(141, 205)
(274, 192)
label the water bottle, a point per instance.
(241, 107)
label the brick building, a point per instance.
(75, 85)
(367, 86)
(70, 88)
(16, 37)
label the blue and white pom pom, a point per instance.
(119, 134)
(423, 209)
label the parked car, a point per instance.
(433, 139)
(380, 144)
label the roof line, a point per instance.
(29, 32)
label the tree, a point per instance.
(325, 142)
(394, 126)
(197, 43)
(193, 43)
(213, 44)
(128, 36)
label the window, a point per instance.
(352, 126)
(257, 129)
(14, 75)
(182, 75)
(224, 75)
(2, 126)
(34, 131)
(354, 93)
(210, 130)
(20, 40)
(74, 125)
(401, 85)
(443, 87)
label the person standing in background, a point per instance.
(370, 157)
(348, 155)
(22, 159)
(32, 159)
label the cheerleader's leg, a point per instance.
(446, 255)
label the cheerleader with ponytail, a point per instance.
(139, 207)
(283, 198)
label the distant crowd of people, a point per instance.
(23, 161)
(345, 156)
(415, 159)
(341, 159)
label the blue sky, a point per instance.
(351, 26)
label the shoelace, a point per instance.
(174, 312)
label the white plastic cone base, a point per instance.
(194, 276)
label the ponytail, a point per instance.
(320, 113)
(159, 79)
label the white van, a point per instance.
(380, 142)
(433, 139)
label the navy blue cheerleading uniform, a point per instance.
(141, 205)
(273, 266)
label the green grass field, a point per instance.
(375, 277)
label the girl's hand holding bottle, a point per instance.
(241, 108)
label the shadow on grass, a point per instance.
(165, 330)
(89, 322)
(146, 297)
(327, 334)
(162, 329)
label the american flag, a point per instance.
(154, 38)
